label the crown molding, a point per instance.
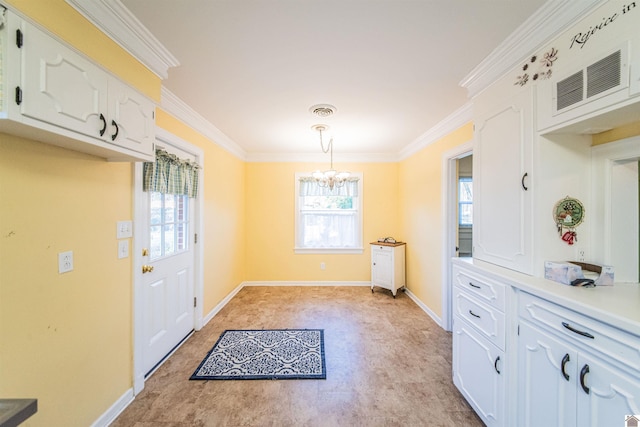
(117, 22)
(548, 22)
(453, 121)
(178, 108)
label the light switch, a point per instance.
(125, 229)
(123, 249)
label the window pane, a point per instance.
(169, 208)
(169, 239)
(466, 214)
(322, 230)
(169, 231)
(466, 190)
(155, 202)
(181, 236)
(155, 242)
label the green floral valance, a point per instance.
(171, 175)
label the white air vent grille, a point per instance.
(604, 74)
(595, 80)
(570, 90)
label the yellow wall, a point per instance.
(224, 206)
(66, 339)
(616, 134)
(420, 206)
(270, 218)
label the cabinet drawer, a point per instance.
(487, 320)
(486, 290)
(614, 344)
(380, 248)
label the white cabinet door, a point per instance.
(605, 395)
(61, 87)
(382, 267)
(547, 378)
(131, 118)
(479, 372)
(502, 167)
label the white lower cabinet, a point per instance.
(479, 365)
(478, 369)
(570, 370)
(388, 266)
(522, 360)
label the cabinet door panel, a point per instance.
(60, 87)
(382, 268)
(133, 117)
(502, 207)
(476, 363)
(545, 396)
(612, 395)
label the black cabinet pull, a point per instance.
(524, 187)
(565, 359)
(473, 314)
(583, 374)
(104, 125)
(474, 286)
(574, 330)
(495, 364)
(115, 135)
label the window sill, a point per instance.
(328, 250)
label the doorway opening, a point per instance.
(456, 164)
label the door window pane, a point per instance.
(169, 231)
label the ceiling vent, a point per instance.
(323, 110)
(601, 78)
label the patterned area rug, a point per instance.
(265, 354)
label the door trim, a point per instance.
(163, 137)
(449, 215)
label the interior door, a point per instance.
(168, 274)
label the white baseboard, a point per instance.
(221, 304)
(116, 409)
(424, 308)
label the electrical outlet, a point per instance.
(322, 266)
(581, 255)
(65, 262)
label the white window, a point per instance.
(465, 202)
(328, 221)
(169, 228)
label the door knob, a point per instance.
(147, 269)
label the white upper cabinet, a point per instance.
(65, 99)
(502, 173)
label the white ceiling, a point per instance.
(252, 68)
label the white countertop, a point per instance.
(618, 305)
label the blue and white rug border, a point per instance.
(321, 376)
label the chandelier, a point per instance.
(329, 178)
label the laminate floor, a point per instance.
(388, 364)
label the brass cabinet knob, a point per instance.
(147, 269)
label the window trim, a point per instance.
(359, 238)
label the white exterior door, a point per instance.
(168, 259)
(167, 276)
